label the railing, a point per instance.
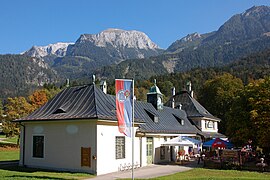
(128, 166)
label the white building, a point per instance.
(77, 131)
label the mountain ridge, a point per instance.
(57, 49)
(241, 35)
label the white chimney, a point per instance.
(173, 91)
(94, 79)
(180, 106)
(103, 86)
(67, 83)
(189, 89)
(173, 94)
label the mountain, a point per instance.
(251, 24)
(57, 49)
(242, 35)
(189, 41)
(113, 46)
(118, 38)
(21, 74)
(91, 51)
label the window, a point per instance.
(180, 120)
(152, 115)
(120, 147)
(38, 146)
(209, 125)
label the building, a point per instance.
(196, 113)
(77, 130)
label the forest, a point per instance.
(238, 94)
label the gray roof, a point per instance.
(192, 107)
(89, 102)
(81, 102)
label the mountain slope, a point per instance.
(57, 49)
(189, 41)
(91, 51)
(240, 36)
(20, 74)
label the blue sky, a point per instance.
(25, 23)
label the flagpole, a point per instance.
(133, 129)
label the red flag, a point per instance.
(123, 91)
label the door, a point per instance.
(149, 150)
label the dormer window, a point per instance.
(152, 115)
(180, 120)
(156, 119)
(209, 125)
(59, 111)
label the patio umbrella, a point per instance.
(217, 143)
(178, 141)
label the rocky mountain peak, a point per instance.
(191, 37)
(58, 49)
(257, 11)
(119, 38)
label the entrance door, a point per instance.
(149, 150)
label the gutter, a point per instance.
(23, 148)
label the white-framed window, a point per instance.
(38, 146)
(120, 146)
(209, 125)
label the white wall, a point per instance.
(64, 139)
(205, 129)
(106, 160)
(63, 142)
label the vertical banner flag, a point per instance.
(123, 91)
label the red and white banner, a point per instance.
(124, 93)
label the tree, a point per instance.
(38, 98)
(15, 108)
(259, 100)
(249, 116)
(217, 96)
(2, 115)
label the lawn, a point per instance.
(9, 154)
(8, 149)
(201, 174)
(15, 172)
(12, 140)
(18, 173)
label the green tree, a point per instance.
(249, 116)
(217, 96)
(15, 108)
(259, 100)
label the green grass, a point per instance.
(202, 174)
(7, 154)
(19, 173)
(16, 172)
(12, 140)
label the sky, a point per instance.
(25, 23)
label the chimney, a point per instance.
(67, 83)
(94, 79)
(173, 94)
(189, 89)
(103, 86)
(180, 106)
(173, 91)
